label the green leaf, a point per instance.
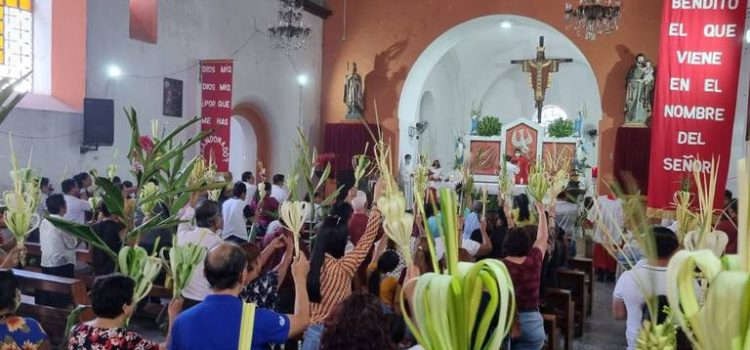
(489, 126)
(153, 223)
(84, 233)
(111, 195)
(560, 128)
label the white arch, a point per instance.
(411, 94)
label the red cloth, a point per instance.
(526, 278)
(731, 230)
(346, 140)
(632, 151)
(602, 260)
(268, 210)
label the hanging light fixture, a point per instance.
(289, 33)
(592, 18)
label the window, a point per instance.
(16, 40)
(551, 112)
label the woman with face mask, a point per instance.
(17, 332)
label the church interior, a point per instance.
(375, 174)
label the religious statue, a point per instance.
(460, 150)
(640, 92)
(521, 140)
(475, 113)
(540, 70)
(353, 94)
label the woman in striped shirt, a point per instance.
(331, 272)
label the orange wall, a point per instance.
(69, 52)
(385, 37)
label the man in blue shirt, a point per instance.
(215, 322)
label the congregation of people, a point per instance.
(343, 291)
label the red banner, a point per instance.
(696, 93)
(216, 110)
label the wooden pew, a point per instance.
(560, 303)
(550, 329)
(575, 282)
(53, 320)
(587, 266)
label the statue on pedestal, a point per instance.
(475, 113)
(354, 93)
(640, 92)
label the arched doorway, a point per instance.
(252, 142)
(243, 146)
(468, 67)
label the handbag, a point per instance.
(246, 326)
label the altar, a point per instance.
(521, 144)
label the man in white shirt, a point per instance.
(249, 180)
(565, 218)
(511, 169)
(233, 211)
(278, 191)
(46, 190)
(76, 207)
(628, 299)
(208, 222)
(405, 174)
(58, 250)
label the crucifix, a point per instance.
(539, 70)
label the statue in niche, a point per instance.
(354, 93)
(639, 96)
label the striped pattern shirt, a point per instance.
(337, 274)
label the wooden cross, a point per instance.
(540, 69)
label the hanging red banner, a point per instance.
(696, 93)
(216, 110)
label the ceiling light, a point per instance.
(114, 71)
(302, 80)
(747, 36)
(505, 24)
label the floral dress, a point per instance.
(85, 337)
(21, 333)
(262, 291)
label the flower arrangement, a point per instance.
(489, 126)
(560, 128)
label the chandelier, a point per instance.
(289, 33)
(592, 18)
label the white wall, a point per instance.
(477, 70)
(243, 149)
(189, 30)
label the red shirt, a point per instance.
(526, 278)
(357, 226)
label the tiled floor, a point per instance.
(601, 331)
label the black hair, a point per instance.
(331, 238)
(666, 242)
(105, 211)
(386, 263)
(43, 182)
(517, 242)
(521, 202)
(67, 185)
(110, 293)
(8, 289)
(223, 270)
(429, 210)
(116, 180)
(80, 178)
(127, 184)
(207, 213)
(341, 211)
(55, 204)
(408, 156)
(278, 178)
(728, 194)
(246, 176)
(733, 205)
(239, 189)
